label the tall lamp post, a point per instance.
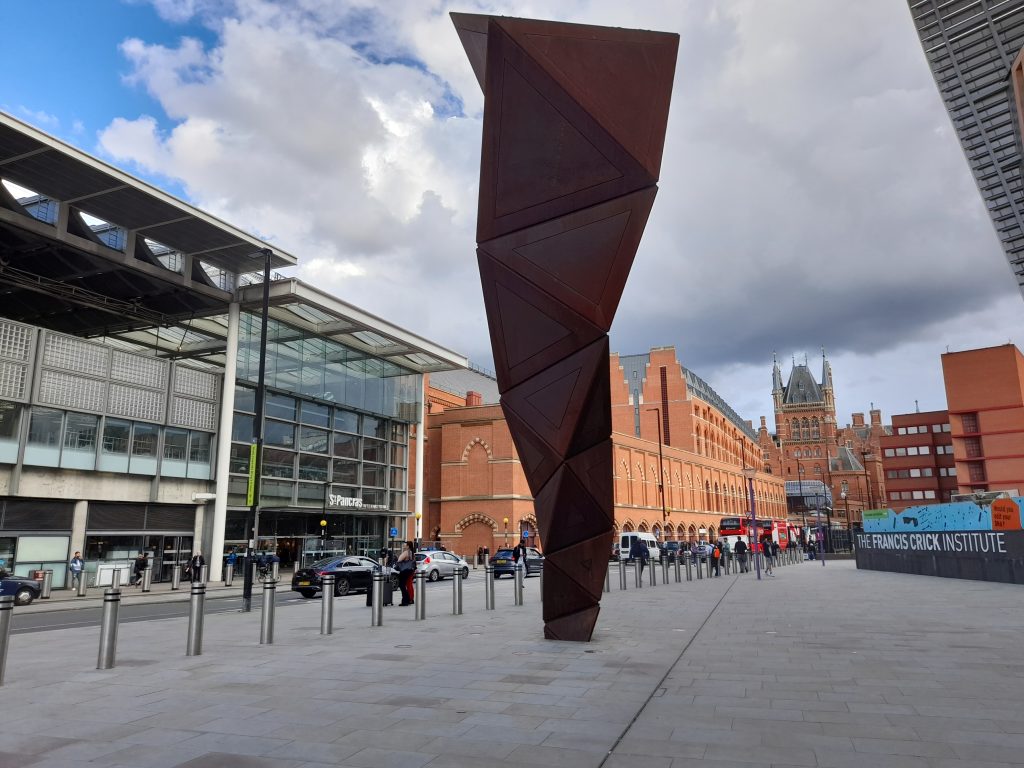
(661, 472)
(750, 473)
(800, 486)
(844, 494)
(506, 532)
(867, 478)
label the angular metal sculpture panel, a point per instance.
(574, 126)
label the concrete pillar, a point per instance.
(80, 515)
(227, 408)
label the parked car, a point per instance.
(670, 550)
(439, 565)
(24, 589)
(505, 565)
(351, 574)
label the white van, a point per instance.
(626, 543)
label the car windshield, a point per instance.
(503, 553)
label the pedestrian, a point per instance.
(766, 548)
(195, 566)
(231, 559)
(740, 548)
(76, 566)
(406, 567)
(639, 554)
(140, 565)
(716, 558)
(519, 555)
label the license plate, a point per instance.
(501, 562)
(303, 583)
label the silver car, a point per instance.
(439, 565)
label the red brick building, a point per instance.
(475, 482)
(918, 460)
(985, 397)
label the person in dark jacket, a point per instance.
(195, 567)
(639, 553)
(740, 548)
(140, 565)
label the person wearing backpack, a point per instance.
(716, 558)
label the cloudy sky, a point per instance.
(812, 192)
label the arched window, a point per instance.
(817, 452)
(805, 429)
(707, 495)
(815, 428)
(795, 430)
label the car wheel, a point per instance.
(308, 593)
(435, 575)
(23, 596)
(341, 587)
(465, 572)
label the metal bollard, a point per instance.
(327, 604)
(689, 567)
(108, 628)
(6, 613)
(267, 622)
(275, 570)
(622, 575)
(608, 579)
(488, 585)
(204, 570)
(44, 593)
(699, 566)
(664, 570)
(196, 604)
(652, 574)
(82, 588)
(725, 563)
(147, 580)
(229, 574)
(679, 569)
(420, 595)
(115, 579)
(517, 586)
(377, 598)
(638, 575)
(457, 593)
(175, 577)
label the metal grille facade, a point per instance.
(970, 46)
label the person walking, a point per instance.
(519, 556)
(140, 565)
(75, 568)
(766, 548)
(639, 554)
(716, 558)
(406, 567)
(740, 548)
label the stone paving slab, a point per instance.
(829, 667)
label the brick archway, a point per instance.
(475, 531)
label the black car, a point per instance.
(351, 574)
(504, 563)
(24, 589)
(670, 550)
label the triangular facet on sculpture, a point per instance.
(584, 258)
(601, 68)
(594, 469)
(565, 594)
(543, 155)
(472, 29)
(574, 627)
(552, 401)
(567, 514)
(529, 329)
(585, 562)
(538, 459)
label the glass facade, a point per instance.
(302, 363)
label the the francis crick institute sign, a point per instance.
(960, 540)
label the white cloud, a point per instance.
(812, 192)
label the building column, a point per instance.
(421, 429)
(214, 558)
(78, 521)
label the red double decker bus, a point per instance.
(740, 526)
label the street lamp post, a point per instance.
(506, 532)
(800, 487)
(867, 478)
(661, 472)
(844, 494)
(750, 473)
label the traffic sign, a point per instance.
(393, 532)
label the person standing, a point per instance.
(740, 548)
(766, 548)
(195, 566)
(141, 564)
(639, 554)
(406, 567)
(519, 555)
(716, 558)
(75, 567)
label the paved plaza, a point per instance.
(828, 667)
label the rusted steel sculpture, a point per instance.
(574, 125)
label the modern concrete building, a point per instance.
(971, 47)
(130, 328)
